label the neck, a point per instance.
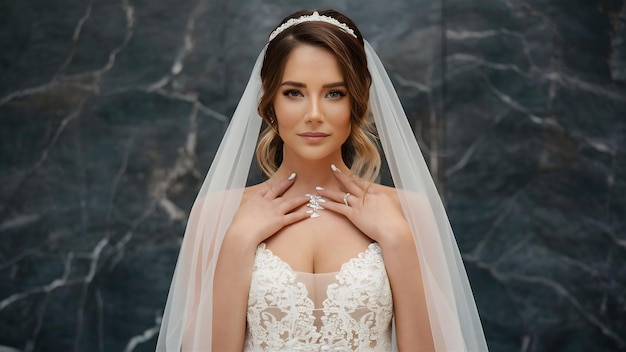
(311, 173)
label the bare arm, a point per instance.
(230, 295)
(260, 215)
(413, 330)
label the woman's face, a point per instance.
(312, 105)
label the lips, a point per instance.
(313, 137)
(313, 134)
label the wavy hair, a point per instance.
(359, 151)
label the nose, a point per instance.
(314, 111)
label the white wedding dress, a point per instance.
(348, 310)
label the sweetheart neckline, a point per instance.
(372, 246)
(347, 313)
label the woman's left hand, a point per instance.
(373, 211)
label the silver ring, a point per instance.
(345, 199)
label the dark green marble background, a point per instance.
(111, 111)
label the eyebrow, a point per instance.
(302, 85)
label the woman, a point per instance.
(319, 257)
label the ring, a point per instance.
(345, 199)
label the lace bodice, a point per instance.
(349, 310)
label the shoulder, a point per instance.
(254, 189)
(390, 192)
(396, 194)
(382, 189)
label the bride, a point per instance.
(319, 257)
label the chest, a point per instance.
(318, 245)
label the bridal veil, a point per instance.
(451, 308)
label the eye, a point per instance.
(336, 94)
(292, 93)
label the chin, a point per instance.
(314, 158)
(315, 155)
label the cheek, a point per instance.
(343, 116)
(286, 113)
(343, 125)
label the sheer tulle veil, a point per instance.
(451, 307)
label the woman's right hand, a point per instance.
(264, 212)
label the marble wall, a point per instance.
(111, 111)
(535, 110)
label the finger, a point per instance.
(291, 203)
(281, 187)
(347, 181)
(295, 217)
(339, 208)
(335, 196)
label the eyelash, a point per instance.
(338, 92)
(289, 93)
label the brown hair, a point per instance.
(359, 151)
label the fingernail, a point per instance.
(292, 176)
(334, 168)
(318, 188)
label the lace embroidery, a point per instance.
(355, 313)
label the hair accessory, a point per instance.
(345, 199)
(314, 204)
(315, 17)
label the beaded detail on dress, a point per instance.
(349, 310)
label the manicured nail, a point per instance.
(334, 168)
(292, 176)
(318, 188)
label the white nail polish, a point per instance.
(334, 168)
(318, 188)
(292, 176)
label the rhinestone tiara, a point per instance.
(315, 17)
